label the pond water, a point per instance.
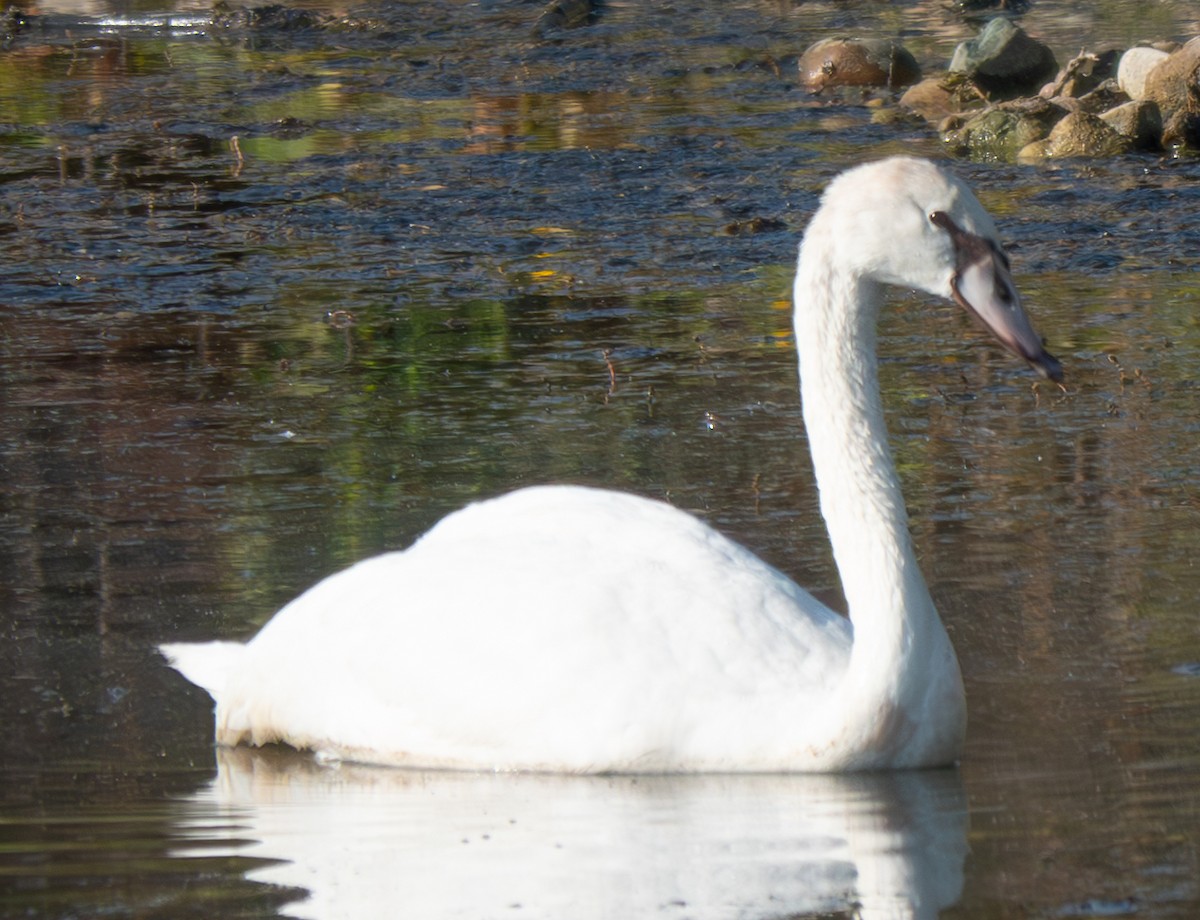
(276, 298)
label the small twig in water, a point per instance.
(612, 371)
(236, 149)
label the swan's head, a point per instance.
(907, 222)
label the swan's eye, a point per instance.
(942, 219)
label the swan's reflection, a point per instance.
(375, 842)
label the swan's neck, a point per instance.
(899, 641)
(860, 491)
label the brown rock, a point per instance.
(857, 62)
(1084, 135)
(1174, 85)
(937, 97)
(1182, 130)
(1035, 150)
(1138, 121)
(1106, 96)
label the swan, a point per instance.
(571, 629)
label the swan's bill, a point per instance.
(983, 286)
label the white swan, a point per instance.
(562, 628)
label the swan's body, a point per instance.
(572, 629)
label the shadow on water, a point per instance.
(274, 299)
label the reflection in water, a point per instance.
(370, 842)
(187, 441)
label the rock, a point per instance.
(271, 17)
(1037, 150)
(857, 62)
(564, 14)
(1082, 135)
(937, 97)
(1140, 121)
(1175, 83)
(1104, 97)
(755, 225)
(1004, 61)
(976, 6)
(1002, 131)
(12, 21)
(1182, 130)
(1135, 66)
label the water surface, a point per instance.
(273, 300)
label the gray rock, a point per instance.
(1135, 66)
(1004, 61)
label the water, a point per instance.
(442, 259)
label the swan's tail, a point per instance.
(205, 664)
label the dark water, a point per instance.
(272, 300)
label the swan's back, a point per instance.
(589, 630)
